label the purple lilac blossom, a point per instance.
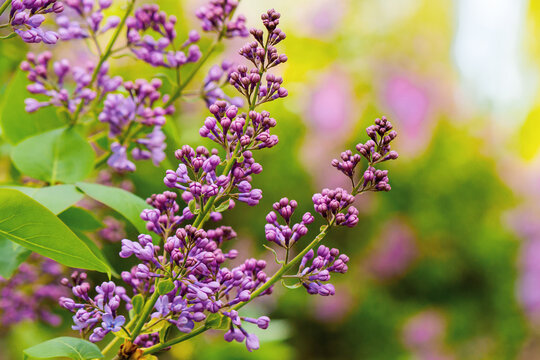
(27, 16)
(216, 17)
(91, 20)
(140, 108)
(394, 251)
(30, 294)
(161, 51)
(55, 85)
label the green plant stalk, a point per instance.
(177, 340)
(148, 306)
(275, 278)
(104, 57)
(4, 6)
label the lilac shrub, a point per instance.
(183, 283)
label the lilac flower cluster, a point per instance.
(53, 85)
(285, 235)
(91, 21)
(27, 16)
(228, 128)
(160, 52)
(315, 277)
(98, 314)
(331, 203)
(193, 260)
(31, 293)
(140, 110)
(203, 182)
(217, 16)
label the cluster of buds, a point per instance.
(53, 85)
(331, 203)
(160, 52)
(315, 277)
(91, 20)
(163, 217)
(98, 314)
(27, 16)
(237, 333)
(285, 235)
(142, 107)
(217, 16)
(263, 54)
(228, 128)
(204, 183)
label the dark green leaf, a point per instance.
(57, 155)
(13, 255)
(80, 219)
(55, 198)
(128, 205)
(70, 347)
(16, 123)
(28, 223)
(165, 287)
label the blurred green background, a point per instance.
(442, 267)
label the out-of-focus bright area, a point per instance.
(446, 265)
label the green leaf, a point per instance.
(55, 198)
(165, 287)
(70, 347)
(223, 206)
(57, 155)
(80, 219)
(16, 123)
(13, 255)
(192, 205)
(217, 321)
(137, 301)
(28, 223)
(128, 205)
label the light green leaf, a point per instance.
(57, 155)
(165, 287)
(70, 347)
(16, 123)
(13, 255)
(28, 223)
(128, 205)
(80, 219)
(217, 321)
(55, 198)
(223, 206)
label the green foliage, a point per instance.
(73, 348)
(128, 205)
(165, 287)
(30, 224)
(80, 219)
(57, 155)
(55, 198)
(16, 123)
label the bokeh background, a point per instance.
(446, 265)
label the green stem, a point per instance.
(175, 341)
(104, 57)
(148, 306)
(4, 6)
(190, 77)
(285, 268)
